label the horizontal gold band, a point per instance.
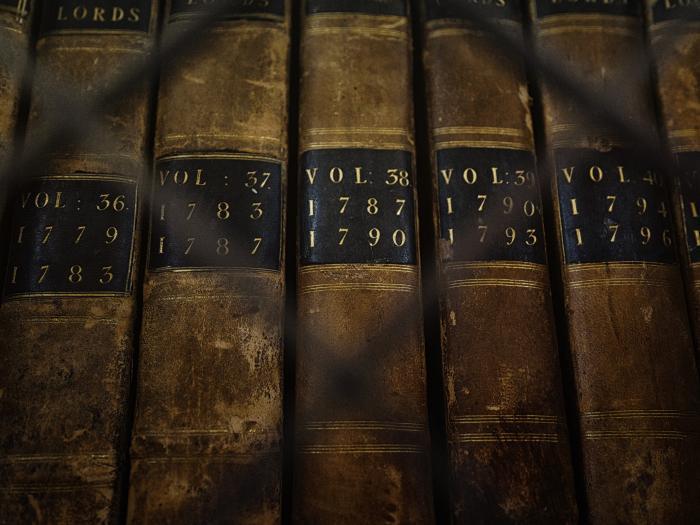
(219, 155)
(508, 265)
(403, 268)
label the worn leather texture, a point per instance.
(206, 445)
(628, 329)
(66, 360)
(674, 40)
(14, 49)
(508, 443)
(361, 450)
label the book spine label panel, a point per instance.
(549, 8)
(216, 213)
(459, 9)
(93, 15)
(357, 207)
(73, 235)
(489, 205)
(612, 207)
(689, 185)
(236, 8)
(372, 7)
(681, 10)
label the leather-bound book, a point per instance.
(506, 425)
(674, 35)
(206, 444)
(68, 307)
(15, 18)
(628, 330)
(361, 450)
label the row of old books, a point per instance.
(144, 304)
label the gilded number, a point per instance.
(372, 207)
(222, 246)
(374, 235)
(107, 275)
(112, 233)
(76, 274)
(223, 212)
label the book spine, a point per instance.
(674, 37)
(361, 452)
(15, 25)
(68, 305)
(208, 424)
(629, 334)
(506, 425)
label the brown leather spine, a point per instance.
(206, 445)
(674, 36)
(15, 23)
(67, 337)
(506, 426)
(628, 328)
(361, 417)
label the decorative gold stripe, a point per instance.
(691, 132)
(373, 287)
(576, 267)
(360, 267)
(364, 425)
(222, 155)
(603, 18)
(495, 265)
(181, 136)
(480, 130)
(623, 414)
(522, 145)
(214, 456)
(400, 146)
(506, 418)
(52, 458)
(383, 131)
(365, 30)
(13, 296)
(227, 269)
(488, 437)
(69, 319)
(361, 449)
(214, 296)
(591, 283)
(652, 434)
(686, 148)
(46, 488)
(508, 283)
(103, 178)
(133, 50)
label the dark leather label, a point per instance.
(21, 8)
(489, 205)
(216, 212)
(371, 7)
(612, 208)
(603, 7)
(689, 184)
(356, 206)
(72, 235)
(95, 15)
(461, 9)
(685, 10)
(237, 8)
